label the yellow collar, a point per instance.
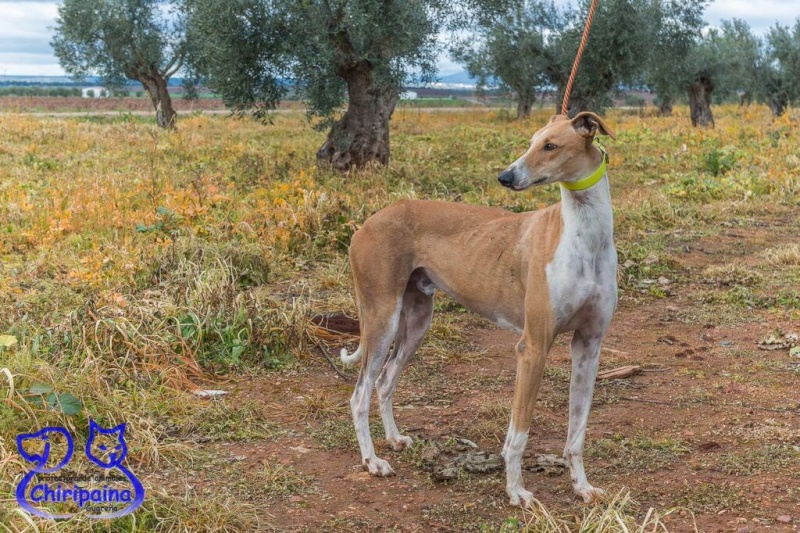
(591, 180)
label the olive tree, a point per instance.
(674, 26)
(779, 69)
(721, 64)
(356, 54)
(118, 40)
(512, 49)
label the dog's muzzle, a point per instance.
(506, 178)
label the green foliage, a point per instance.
(240, 51)
(512, 48)
(719, 161)
(733, 53)
(42, 396)
(613, 55)
(675, 28)
(248, 49)
(118, 39)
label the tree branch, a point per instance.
(174, 66)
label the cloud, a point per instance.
(28, 19)
(760, 16)
(25, 39)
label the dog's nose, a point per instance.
(506, 178)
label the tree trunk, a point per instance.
(156, 86)
(665, 105)
(700, 102)
(362, 134)
(778, 103)
(745, 99)
(524, 104)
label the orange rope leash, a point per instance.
(565, 102)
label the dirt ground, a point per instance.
(709, 432)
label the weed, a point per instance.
(276, 479)
(731, 274)
(339, 433)
(638, 453)
(221, 420)
(317, 405)
(769, 458)
(717, 161)
(787, 254)
(712, 497)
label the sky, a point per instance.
(26, 28)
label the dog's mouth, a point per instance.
(516, 187)
(531, 184)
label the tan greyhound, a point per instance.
(539, 273)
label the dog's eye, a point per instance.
(549, 147)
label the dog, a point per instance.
(538, 273)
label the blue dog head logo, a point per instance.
(44, 440)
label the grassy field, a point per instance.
(140, 266)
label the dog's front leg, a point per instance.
(531, 356)
(585, 350)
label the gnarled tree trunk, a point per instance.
(362, 134)
(524, 104)
(156, 86)
(665, 104)
(700, 102)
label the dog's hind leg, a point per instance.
(585, 359)
(378, 329)
(415, 319)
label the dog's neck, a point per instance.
(587, 214)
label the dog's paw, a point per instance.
(589, 494)
(400, 443)
(378, 467)
(520, 497)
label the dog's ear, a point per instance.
(587, 124)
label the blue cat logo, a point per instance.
(107, 456)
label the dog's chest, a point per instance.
(582, 279)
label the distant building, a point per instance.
(408, 95)
(94, 92)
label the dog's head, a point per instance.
(561, 151)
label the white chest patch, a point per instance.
(582, 276)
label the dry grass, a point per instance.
(788, 254)
(617, 514)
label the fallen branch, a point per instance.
(330, 360)
(613, 351)
(619, 373)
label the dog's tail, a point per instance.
(350, 359)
